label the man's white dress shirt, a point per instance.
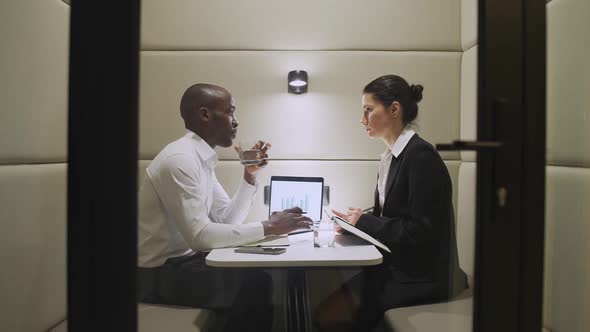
(385, 163)
(184, 209)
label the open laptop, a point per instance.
(290, 191)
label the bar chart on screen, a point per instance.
(289, 192)
(292, 201)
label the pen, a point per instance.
(302, 212)
(301, 231)
(363, 211)
(368, 209)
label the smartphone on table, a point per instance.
(260, 250)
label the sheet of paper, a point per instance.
(270, 241)
(344, 224)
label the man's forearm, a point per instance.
(216, 235)
(251, 179)
(267, 227)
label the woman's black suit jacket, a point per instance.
(417, 224)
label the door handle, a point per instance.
(498, 106)
(469, 146)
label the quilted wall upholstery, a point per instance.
(327, 118)
(568, 83)
(466, 217)
(302, 25)
(32, 242)
(469, 100)
(468, 131)
(351, 182)
(468, 24)
(340, 57)
(252, 58)
(567, 270)
(33, 97)
(33, 67)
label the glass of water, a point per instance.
(324, 234)
(250, 153)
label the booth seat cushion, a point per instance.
(453, 316)
(157, 318)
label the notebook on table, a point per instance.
(353, 230)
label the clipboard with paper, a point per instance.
(357, 232)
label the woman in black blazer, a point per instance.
(413, 216)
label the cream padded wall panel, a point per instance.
(32, 247)
(352, 183)
(33, 71)
(469, 100)
(468, 24)
(568, 83)
(567, 271)
(322, 124)
(142, 165)
(466, 217)
(453, 167)
(301, 25)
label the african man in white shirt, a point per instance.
(184, 212)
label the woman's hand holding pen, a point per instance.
(352, 215)
(339, 229)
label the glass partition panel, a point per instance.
(380, 88)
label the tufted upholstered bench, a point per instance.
(154, 318)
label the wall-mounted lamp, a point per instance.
(297, 81)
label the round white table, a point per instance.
(349, 251)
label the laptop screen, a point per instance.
(290, 191)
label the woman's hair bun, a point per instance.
(416, 91)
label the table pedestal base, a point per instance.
(296, 302)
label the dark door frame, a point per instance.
(511, 110)
(102, 165)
